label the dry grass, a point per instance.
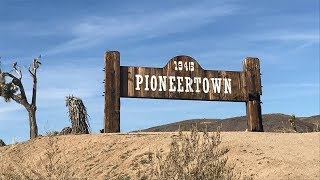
(47, 169)
(123, 156)
(192, 155)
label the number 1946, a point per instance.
(179, 65)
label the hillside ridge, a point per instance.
(275, 122)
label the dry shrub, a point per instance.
(292, 120)
(192, 155)
(51, 133)
(65, 131)
(316, 127)
(78, 115)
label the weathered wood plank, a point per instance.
(182, 78)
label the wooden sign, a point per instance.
(181, 78)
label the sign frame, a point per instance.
(181, 78)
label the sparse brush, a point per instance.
(316, 128)
(78, 115)
(65, 131)
(52, 133)
(292, 120)
(192, 155)
(52, 165)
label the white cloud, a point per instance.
(162, 22)
(95, 29)
(8, 108)
(31, 28)
(290, 91)
(286, 35)
(295, 85)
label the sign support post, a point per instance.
(112, 92)
(251, 68)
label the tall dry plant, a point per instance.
(193, 155)
(78, 115)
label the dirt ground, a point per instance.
(103, 156)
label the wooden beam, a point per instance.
(112, 92)
(251, 68)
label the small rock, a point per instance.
(65, 131)
(2, 143)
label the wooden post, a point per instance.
(112, 92)
(251, 68)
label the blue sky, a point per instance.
(72, 37)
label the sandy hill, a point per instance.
(120, 156)
(271, 123)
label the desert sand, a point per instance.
(103, 156)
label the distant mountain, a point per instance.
(271, 123)
(312, 119)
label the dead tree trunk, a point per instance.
(33, 122)
(14, 90)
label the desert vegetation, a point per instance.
(292, 120)
(11, 88)
(142, 155)
(51, 165)
(78, 115)
(192, 155)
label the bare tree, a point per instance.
(11, 87)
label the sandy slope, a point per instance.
(260, 155)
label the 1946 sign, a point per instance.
(189, 66)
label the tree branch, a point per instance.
(23, 99)
(18, 99)
(34, 89)
(35, 65)
(16, 69)
(31, 73)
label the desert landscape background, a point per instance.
(274, 154)
(72, 70)
(271, 123)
